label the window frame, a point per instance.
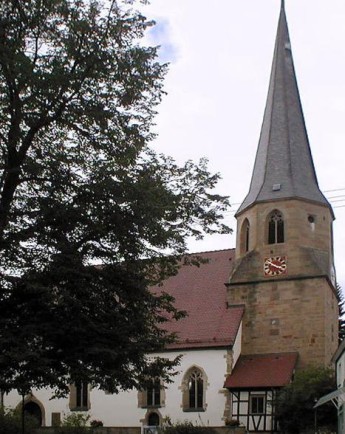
(275, 227)
(257, 397)
(245, 236)
(80, 396)
(194, 390)
(153, 394)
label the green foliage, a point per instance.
(187, 427)
(232, 422)
(11, 422)
(95, 423)
(341, 304)
(295, 402)
(74, 423)
(75, 420)
(79, 186)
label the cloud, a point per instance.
(160, 35)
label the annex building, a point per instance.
(256, 313)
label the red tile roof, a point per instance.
(201, 292)
(262, 371)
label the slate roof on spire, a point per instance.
(284, 166)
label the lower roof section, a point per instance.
(262, 371)
(200, 291)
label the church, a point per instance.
(256, 313)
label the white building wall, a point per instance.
(340, 367)
(341, 370)
(123, 410)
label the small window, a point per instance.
(257, 404)
(154, 394)
(245, 231)
(153, 419)
(56, 419)
(275, 228)
(79, 396)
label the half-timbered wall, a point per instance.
(254, 409)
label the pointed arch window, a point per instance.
(245, 231)
(275, 227)
(153, 419)
(194, 390)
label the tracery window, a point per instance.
(275, 227)
(194, 388)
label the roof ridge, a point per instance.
(212, 251)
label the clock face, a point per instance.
(275, 266)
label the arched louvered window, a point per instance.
(275, 227)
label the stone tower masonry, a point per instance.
(283, 271)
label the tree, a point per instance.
(88, 211)
(295, 402)
(341, 303)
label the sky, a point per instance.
(220, 56)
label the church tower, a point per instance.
(283, 271)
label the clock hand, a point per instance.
(280, 267)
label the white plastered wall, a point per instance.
(122, 409)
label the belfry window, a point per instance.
(275, 228)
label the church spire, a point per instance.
(284, 166)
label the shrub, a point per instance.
(11, 422)
(96, 423)
(295, 402)
(232, 422)
(187, 428)
(74, 423)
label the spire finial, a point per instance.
(283, 4)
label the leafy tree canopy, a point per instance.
(87, 208)
(341, 302)
(295, 402)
